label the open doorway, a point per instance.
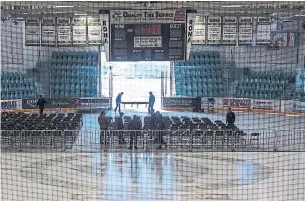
(136, 80)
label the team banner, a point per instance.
(32, 31)
(199, 31)
(214, 30)
(177, 102)
(146, 16)
(245, 30)
(263, 104)
(104, 16)
(236, 103)
(52, 103)
(63, 31)
(48, 32)
(229, 30)
(263, 32)
(7, 105)
(190, 25)
(94, 31)
(79, 31)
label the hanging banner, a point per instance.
(214, 30)
(229, 30)
(32, 31)
(245, 30)
(263, 30)
(94, 31)
(199, 31)
(79, 31)
(104, 16)
(191, 17)
(63, 31)
(281, 39)
(48, 32)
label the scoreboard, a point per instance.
(146, 35)
(147, 42)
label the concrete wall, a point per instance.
(16, 56)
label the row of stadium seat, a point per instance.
(85, 62)
(199, 62)
(73, 93)
(258, 76)
(204, 54)
(15, 85)
(75, 55)
(258, 94)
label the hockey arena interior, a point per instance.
(152, 100)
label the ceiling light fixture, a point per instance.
(64, 6)
(232, 6)
(83, 14)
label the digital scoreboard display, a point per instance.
(147, 42)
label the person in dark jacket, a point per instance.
(120, 123)
(151, 103)
(230, 120)
(161, 128)
(40, 103)
(153, 121)
(134, 126)
(104, 125)
(118, 101)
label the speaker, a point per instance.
(197, 104)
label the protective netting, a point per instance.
(180, 66)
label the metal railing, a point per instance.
(149, 140)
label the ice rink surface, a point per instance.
(164, 175)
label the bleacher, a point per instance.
(201, 75)
(74, 74)
(15, 85)
(264, 85)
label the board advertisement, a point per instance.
(236, 103)
(94, 31)
(199, 31)
(263, 30)
(52, 103)
(245, 29)
(177, 102)
(263, 104)
(7, 105)
(214, 30)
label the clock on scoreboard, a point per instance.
(146, 35)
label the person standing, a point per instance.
(118, 101)
(40, 103)
(134, 126)
(230, 120)
(151, 103)
(104, 125)
(161, 128)
(120, 124)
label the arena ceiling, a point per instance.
(277, 10)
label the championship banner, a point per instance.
(7, 105)
(263, 30)
(48, 32)
(236, 103)
(32, 31)
(298, 106)
(263, 104)
(79, 31)
(177, 102)
(104, 16)
(63, 31)
(52, 103)
(94, 31)
(199, 31)
(229, 30)
(245, 30)
(214, 30)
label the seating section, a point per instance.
(15, 85)
(74, 74)
(264, 85)
(21, 130)
(300, 96)
(200, 76)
